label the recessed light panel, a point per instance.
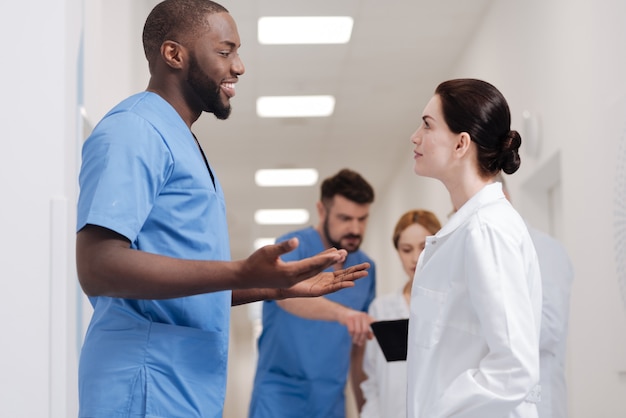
(284, 30)
(286, 177)
(281, 216)
(295, 106)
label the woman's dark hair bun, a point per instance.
(509, 155)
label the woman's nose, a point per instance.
(415, 137)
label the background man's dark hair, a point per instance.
(349, 184)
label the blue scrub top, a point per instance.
(143, 177)
(303, 364)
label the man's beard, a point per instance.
(207, 90)
(337, 244)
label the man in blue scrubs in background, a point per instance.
(307, 347)
(152, 246)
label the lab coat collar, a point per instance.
(488, 194)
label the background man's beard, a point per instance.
(337, 244)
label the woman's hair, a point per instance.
(425, 218)
(176, 20)
(478, 108)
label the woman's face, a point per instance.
(410, 245)
(434, 142)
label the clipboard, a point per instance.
(392, 336)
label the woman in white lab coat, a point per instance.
(384, 389)
(473, 348)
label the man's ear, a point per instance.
(321, 210)
(174, 54)
(462, 144)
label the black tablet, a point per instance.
(392, 337)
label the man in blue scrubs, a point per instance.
(152, 246)
(308, 347)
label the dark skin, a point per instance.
(108, 266)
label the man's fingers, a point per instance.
(319, 262)
(358, 325)
(284, 247)
(351, 277)
(353, 273)
(358, 267)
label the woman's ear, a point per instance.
(463, 144)
(173, 54)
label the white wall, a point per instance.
(110, 77)
(564, 61)
(39, 119)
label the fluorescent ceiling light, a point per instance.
(286, 177)
(304, 30)
(262, 242)
(294, 106)
(281, 216)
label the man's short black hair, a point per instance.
(349, 184)
(176, 20)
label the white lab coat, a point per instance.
(475, 316)
(557, 275)
(384, 389)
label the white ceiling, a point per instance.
(398, 53)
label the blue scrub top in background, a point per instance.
(303, 364)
